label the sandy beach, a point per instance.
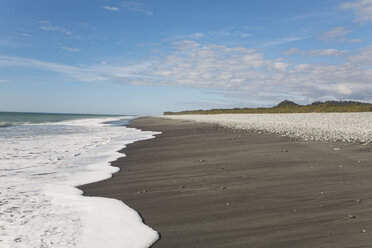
(203, 185)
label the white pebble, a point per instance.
(349, 127)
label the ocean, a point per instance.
(43, 158)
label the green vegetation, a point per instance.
(290, 107)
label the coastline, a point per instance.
(202, 185)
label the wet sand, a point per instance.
(202, 185)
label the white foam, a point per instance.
(350, 127)
(39, 167)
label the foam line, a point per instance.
(40, 166)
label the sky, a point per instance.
(149, 56)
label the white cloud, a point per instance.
(339, 34)
(282, 41)
(136, 7)
(326, 52)
(335, 34)
(46, 26)
(192, 36)
(229, 32)
(355, 40)
(84, 73)
(317, 52)
(111, 8)
(362, 9)
(75, 50)
(221, 32)
(25, 34)
(292, 51)
(364, 57)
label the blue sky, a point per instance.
(146, 57)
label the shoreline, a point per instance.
(203, 185)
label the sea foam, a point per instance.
(40, 166)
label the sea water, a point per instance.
(43, 157)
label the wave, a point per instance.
(12, 124)
(8, 124)
(84, 121)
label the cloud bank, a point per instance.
(246, 70)
(239, 71)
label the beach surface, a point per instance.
(204, 185)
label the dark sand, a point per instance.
(207, 186)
